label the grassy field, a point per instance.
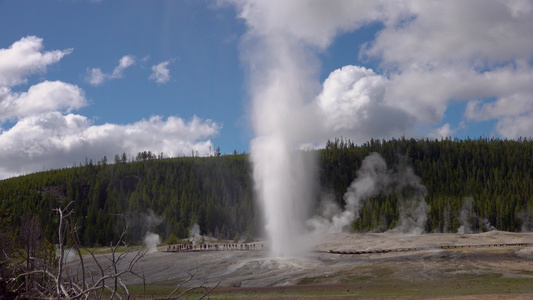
(368, 287)
(102, 250)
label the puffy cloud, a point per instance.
(279, 48)
(480, 33)
(123, 63)
(442, 132)
(352, 101)
(437, 52)
(430, 54)
(347, 93)
(515, 127)
(514, 105)
(313, 22)
(52, 140)
(42, 97)
(96, 77)
(46, 134)
(160, 72)
(23, 58)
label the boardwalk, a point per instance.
(426, 248)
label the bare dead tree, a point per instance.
(76, 239)
(84, 289)
(107, 273)
(191, 276)
(31, 241)
(63, 213)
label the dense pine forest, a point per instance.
(492, 178)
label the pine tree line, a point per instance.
(483, 182)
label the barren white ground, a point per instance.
(258, 269)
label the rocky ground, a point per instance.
(422, 259)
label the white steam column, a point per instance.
(281, 176)
(280, 48)
(282, 119)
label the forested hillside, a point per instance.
(163, 195)
(486, 182)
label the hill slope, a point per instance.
(471, 185)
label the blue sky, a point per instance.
(199, 42)
(92, 78)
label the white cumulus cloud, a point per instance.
(42, 97)
(47, 134)
(52, 140)
(514, 105)
(478, 33)
(442, 132)
(95, 76)
(24, 58)
(313, 22)
(477, 51)
(352, 101)
(431, 54)
(515, 127)
(160, 72)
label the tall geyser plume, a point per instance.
(282, 173)
(280, 49)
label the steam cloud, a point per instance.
(143, 224)
(151, 241)
(372, 179)
(279, 49)
(150, 219)
(527, 221)
(465, 216)
(289, 109)
(194, 234)
(413, 207)
(468, 218)
(69, 254)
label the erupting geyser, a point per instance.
(280, 50)
(282, 173)
(279, 173)
(282, 120)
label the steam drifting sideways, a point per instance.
(372, 179)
